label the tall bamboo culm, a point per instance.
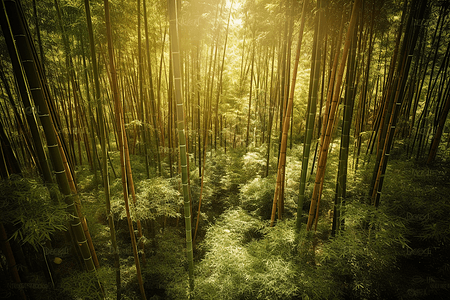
(104, 162)
(310, 120)
(33, 75)
(285, 129)
(315, 199)
(127, 181)
(176, 65)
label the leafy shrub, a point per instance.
(224, 180)
(165, 273)
(253, 165)
(257, 196)
(85, 285)
(418, 195)
(155, 197)
(85, 178)
(27, 204)
(224, 176)
(363, 256)
(235, 268)
(274, 263)
(237, 167)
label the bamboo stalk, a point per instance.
(175, 53)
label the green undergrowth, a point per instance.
(234, 266)
(417, 194)
(247, 259)
(32, 210)
(397, 251)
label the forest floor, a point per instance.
(398, 251)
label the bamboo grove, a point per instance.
(176, 83)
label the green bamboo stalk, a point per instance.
(311, 115)
(140, 101)
(28, 61)
(104, 162)
(388, 101)
(349, 100)
(9, 163)
(315, 200)
(282, 156)
(365, 86)
(403, 66)
(437, 136)
(124, 156)
(30, 109)
(151, 90)
(176, 64)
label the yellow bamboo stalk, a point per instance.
(286, 122)
(327, 138)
